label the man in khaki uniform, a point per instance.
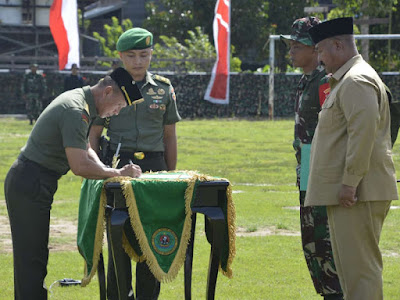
(351, 166)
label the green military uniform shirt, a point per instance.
(64, 123)
(140, 127)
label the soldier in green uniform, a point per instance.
(310, 95)
(58, 143)
(33, 88)
(146, 135)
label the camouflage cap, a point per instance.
(136, 39)
(300, 29)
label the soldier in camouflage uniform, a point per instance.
(310, 95)
(33, 89)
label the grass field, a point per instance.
(258, 159)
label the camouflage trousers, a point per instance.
(33, 106)
(317, 248)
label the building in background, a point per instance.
(25, 35)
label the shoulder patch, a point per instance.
(161, 78)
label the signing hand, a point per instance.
(131, 170)
(347, 196)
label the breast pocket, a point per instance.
(156, 110)
(326, 114)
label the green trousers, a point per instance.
(29, 190)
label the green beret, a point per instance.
(135, 39)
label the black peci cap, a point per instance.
(331, 28)
(127, 85)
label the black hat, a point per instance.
(127, 85)
(331, 28)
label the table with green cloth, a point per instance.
(159, 205)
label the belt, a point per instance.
(140, 155)
(23, 158)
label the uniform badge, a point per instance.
(156, 97)
(161, 92)
(324, 90)
(164, 241)
(163, 107)
(153, 106)
(85, 118)
(151, 92)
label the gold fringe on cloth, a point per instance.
(100, 228)
(141, 236)
(148, 255)
(98, 241)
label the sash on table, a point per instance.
(159, 207)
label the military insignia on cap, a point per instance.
(151, 92)
(164, 241)
(148, 39)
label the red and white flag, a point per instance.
(64, 28)
(218, 88)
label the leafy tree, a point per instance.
(112, 33)
(249, 21)
(197, 53)
(282, 15)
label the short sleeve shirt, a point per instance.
(64, 123)
(140, 127)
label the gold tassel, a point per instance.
(98, 240)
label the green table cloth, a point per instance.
(159, 207)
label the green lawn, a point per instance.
(258, 159)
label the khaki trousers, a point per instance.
(355, 234)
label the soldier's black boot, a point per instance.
(333, 297)
(30, 122)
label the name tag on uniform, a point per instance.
(305, 166)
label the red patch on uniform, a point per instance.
(85, 118)
(324, 90)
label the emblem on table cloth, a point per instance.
(164, 241)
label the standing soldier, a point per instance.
(310, 95)
(33, 89)
(146, 135)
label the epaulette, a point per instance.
(161, 78)
(87, 109)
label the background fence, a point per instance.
(248, 93)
